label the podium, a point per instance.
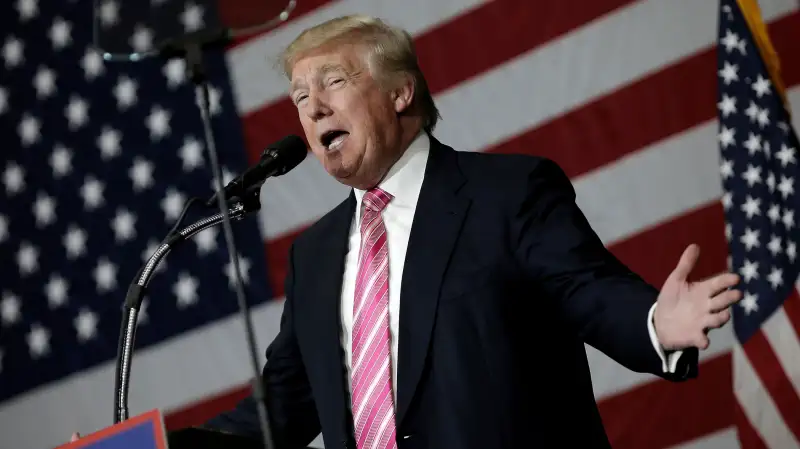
(199, 438)
(146, 431)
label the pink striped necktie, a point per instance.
(373, 401)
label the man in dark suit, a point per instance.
(446, 301)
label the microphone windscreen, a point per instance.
(289, 151)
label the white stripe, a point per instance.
(255, 77)
(379, 436)
(723, 439)
(652, 185)
(367, 290)
(757, 404)
(793, 96)
(361, 356)
(168, 375)
(384, 367)
(782, 337)
(610, 378)
(298, 198)
(526, 92)
(621, 198)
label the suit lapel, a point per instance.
(325, 315)
(437, 222)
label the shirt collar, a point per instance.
(404, 179)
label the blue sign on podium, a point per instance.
(145, 431)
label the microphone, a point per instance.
(276, 160)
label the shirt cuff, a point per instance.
(669, 363)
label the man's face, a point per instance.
(350, 121)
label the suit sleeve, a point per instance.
(292, 412)
(606, 303)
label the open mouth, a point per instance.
(333, 139)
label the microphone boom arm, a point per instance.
(133, 300)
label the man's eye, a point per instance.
(300, 98)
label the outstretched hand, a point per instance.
(685, 311)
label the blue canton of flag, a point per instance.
(98, 160)
(759, 169)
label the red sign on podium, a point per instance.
(145, 431)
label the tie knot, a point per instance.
(376, 199)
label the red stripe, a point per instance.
(277, 251)
(444, 67)
(769, 369)
(521, 28)
(248, 13)
(662, 414)
(747, 435)
(792, 308)
(644, 112)
(711, 394)
(785, 36)
(655, 252)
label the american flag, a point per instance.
(98, 161)
(759, 167)
(621, 93)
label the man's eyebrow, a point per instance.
(296, 84)
(330, 67)
(320, 72)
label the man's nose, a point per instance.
(317, 108)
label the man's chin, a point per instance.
(340, 173)
(351, 180)
(346, 174)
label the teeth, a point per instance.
(337, 142)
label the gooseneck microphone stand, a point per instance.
(136, 291)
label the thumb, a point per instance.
(75, 437)
(686, 263)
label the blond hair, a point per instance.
(390, 50)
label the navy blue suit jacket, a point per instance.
(503, 283)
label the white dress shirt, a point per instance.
(404, 182)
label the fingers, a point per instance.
(719, 283)
(718, 319)
(75, 437)
(686, 263)
(724, 300)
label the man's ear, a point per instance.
(403, 93)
